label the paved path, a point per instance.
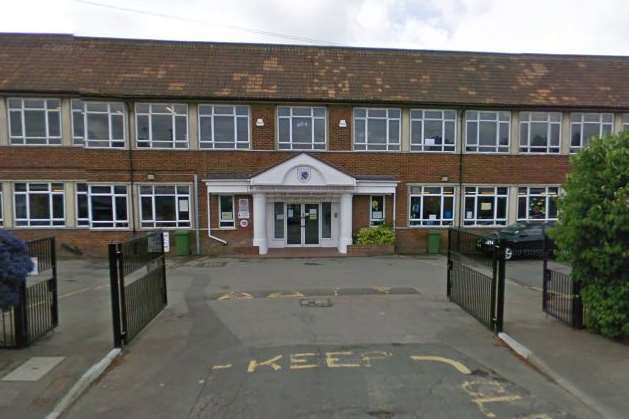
(366, 355)
(83, 337)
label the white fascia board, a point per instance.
(227, 185)
(375, 187)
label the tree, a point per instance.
(592, 233)
(15, 264)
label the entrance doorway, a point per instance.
(302, 224)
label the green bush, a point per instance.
(378, 235)
(592, 233)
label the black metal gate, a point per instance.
(561, 296)
(476, 276)
(137, 272)
(37, 311)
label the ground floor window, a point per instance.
(326, 220)
(102, 206)
(226, 217)
(376, 210)
(537, 203)
(1, 210)
(164, 206)
(39, 204)
(278, 220)
(431, 205)
(485, 205)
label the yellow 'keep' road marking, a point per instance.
(456, 364)
(289, 294)
(235, 295)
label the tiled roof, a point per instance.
(141, 68)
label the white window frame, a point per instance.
(547, 197)
(602, 124)
(58, 139)
(497, 147)
(527, 148)
(291, 116)
(173, 114)
(52, 221)
(85, 221)
(377, 221)
(474, 191)
(179, 221)
(388, 145)
(84, 140)
(231, 223)
(237, 143)
(421, 147)
(425, 223)
(625, 122)
(93, 225)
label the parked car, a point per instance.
(520, 239)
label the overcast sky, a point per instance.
(552, 26)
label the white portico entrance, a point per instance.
(302, 202)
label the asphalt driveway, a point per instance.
(318, 338)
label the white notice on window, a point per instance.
(243, 208)
(432, 216)
(227, 215)
(469, 214)
(35, 270)
(166, 239)
(485, 206)
(184, 206)
(429, 141)
(377, 215)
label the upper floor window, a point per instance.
(98, 124)
(39, 204)
(625, 121)
(485, 205)
(540, 132)
(102, 206)
(223, 126)
(161, 125)
(301, 128)
(537, 203)
(433, 130)
(431, 205)
(487, 131)
(165, 206)
(35, 121)
(588, 125)
(377, 129)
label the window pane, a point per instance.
(243, 129)
(97, 126)
(487, 133)
(121, 208)
(319, 129)
(57, 206)
(359, 126)
(102, 208)
(162, 127)
(147, 208)
(16, 124)
(206, 129)
(433, 130)
(284, 130)
(539, 132)
(35, 122)
(82, 206)
(278, 220)
(20, 206)
(376, 131)
(39, 206)
(415, 207)
(181, 128)
(117, 127)
(471, 133)
(224, 128)
(326, 220)
(589, 131)
(143, 127)
(302, 130)
(432, 208)
(165, 209)
(54, 124)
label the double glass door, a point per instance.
(302, 224)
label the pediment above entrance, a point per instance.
(303, 171)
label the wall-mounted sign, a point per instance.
(303, 174)
(166, 240)
(35, 270)
(244, 223)
(243, 208)
(184, 205)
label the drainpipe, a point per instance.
(394, 206)
(209, 223)
(197, 237)
(461, 146)
(131, 169)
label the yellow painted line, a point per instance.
(456, 364)
(235, 295)
(300, 361)
(333, 360)
(289, 294)
(253, 364)
(221, 367)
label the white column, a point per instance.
(345, 238)
(259, 222)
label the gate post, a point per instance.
(20, 320)
(494, 288)
(545, 272)
(163, 268)
(500, 304)
(577, 305)
(115, 293)
(54, 309)
(449, 265)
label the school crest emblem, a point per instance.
(303, 174)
